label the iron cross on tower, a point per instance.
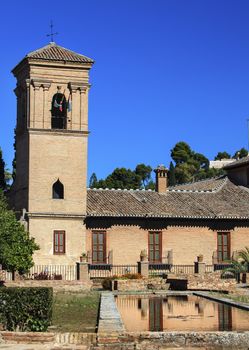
(51, 32)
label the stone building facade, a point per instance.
(173, 225)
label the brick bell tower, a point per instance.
(51, 150)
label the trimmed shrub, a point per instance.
(26, 309)
(107, 283)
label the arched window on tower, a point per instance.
(58, 190)
(59, 111)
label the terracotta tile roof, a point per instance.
(237, 163)
(204, 185)
(54, 52)
(226, 201)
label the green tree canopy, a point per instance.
(181, 153)
(172, 175)
(93, 182)
(16, 248)
(190, 165)
(3, 184)
(222, 155)
(126, 178)
(241, 153)
(123, 178)
(144, 172)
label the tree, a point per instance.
(190, 165)
(93, 182)
(172, 175)
(241, 153)
(203, 162)
(126, 178)
(2, 172)
(181, 153)
(144, 172)
(16, 248)
(243, 255)
(150, 185)
(222, 155)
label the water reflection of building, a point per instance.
(155, 314)
(184, 313)
(225, 317)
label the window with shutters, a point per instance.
(223, 246)
(59, 242)
(155, 247)
(99, 247)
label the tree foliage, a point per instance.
(190, 165)
(126, 178)
(181, 153)
(172, 175)
(3, 184)
(222, 155)
(241, 153)
(144, 172)
(93, 182)
(16, 248)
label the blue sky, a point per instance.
(165, 71)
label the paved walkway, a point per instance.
(109, 316)
(41, 347)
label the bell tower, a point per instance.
(51, 150)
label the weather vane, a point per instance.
(51, 32)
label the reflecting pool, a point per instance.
(179, 313)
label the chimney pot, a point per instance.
(161, 178)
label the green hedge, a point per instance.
(26, 309)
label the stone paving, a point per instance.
(42, 347)
(109, 317)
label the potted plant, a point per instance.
(143, 255)
(200, 258)
(83, 257)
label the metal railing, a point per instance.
(108, 270)
(52, 272)
(209, 268)
(5, 275)
(220, 267)
(159, 269)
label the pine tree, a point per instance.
(172, 175)
(93, 181)
(2, 172)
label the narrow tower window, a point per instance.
(58, 190)
(59, 111)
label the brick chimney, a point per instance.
(161, 178)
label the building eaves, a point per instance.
(237, 163)
(54, 52)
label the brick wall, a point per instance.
(186, 242)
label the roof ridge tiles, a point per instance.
(198, 181)
(55, 52)
(121, 189)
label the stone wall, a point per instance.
(164, 340)
(142, 285)
(210, 281)
(58, 286)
